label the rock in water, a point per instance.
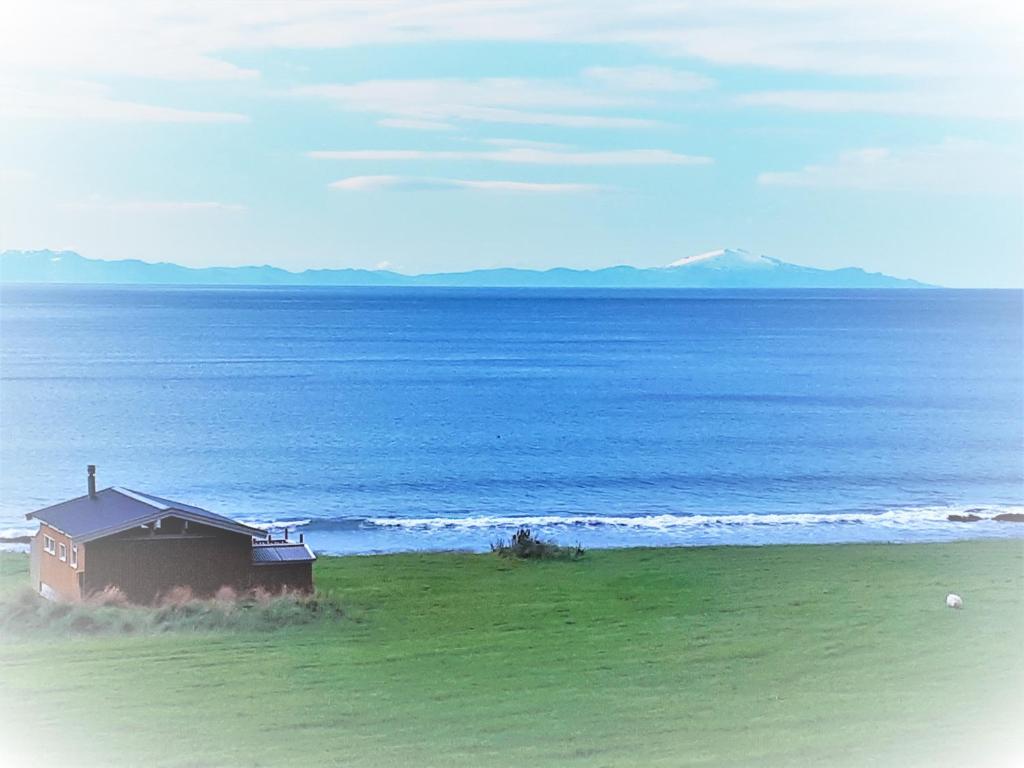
(1010, 517)
(969, 518)
(954, 601)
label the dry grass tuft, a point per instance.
(109, 612)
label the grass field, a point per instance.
(802, 655)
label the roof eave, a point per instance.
(35, 515)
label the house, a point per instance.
(146, 545)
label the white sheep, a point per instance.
(954, 601)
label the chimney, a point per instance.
(92, 480)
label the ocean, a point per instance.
(378, 419)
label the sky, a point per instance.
(442, 136)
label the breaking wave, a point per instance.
(906, 517)
(275, 525)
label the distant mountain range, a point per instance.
(724, 268)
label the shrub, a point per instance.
(524, 545)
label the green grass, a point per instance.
(805, 655)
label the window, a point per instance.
(49, 545)
(74, 556)
(63, 552)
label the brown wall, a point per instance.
(274, 578)
(58, 575)
(145, 566)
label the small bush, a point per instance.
(525, 546)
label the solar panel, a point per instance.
(283, 552)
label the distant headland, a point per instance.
(725, 268)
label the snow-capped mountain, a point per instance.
(727, 258)
(735, 268)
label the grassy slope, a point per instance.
(715, 656)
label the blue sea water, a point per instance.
(392, 419)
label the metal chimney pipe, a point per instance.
(92, 480)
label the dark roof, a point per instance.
(113, 510)
(281, 552)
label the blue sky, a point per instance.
(442, 136)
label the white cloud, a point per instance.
(914, 38)
(522, 155)
(158, 39)
(529, 186)
(522, 101)
(414, 124)
(158, 206)
(371, 183)
(525, 144)
(955, 166)
(935, 48)
(561, 120)
(953, 103)
(91, 101)
(648, 78)
(163, 38)
(377, 183)
(16, 175)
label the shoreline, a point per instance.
(453, 535)
(8, 548)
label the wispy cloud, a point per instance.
(955, 166)
(412, 124)
(16, 175)
(655, 79)
(522, 101)
(158, 206)
(917, 37)
(526, 144)
(530, 187)
(159, 40)
(953, 103)
(932, 39)
(522, 155)
(377, 183)
(969, 51)
(91, 101)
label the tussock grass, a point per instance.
(109, 613)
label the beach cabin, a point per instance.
(146, 545)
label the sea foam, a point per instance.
(897, 518)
